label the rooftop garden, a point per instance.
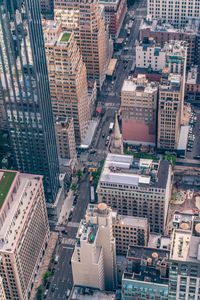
(5, 184)
(65, 37)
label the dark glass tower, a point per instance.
(26, 92)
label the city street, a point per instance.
(110, 98)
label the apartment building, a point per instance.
(147, 274)
(114, 12)
(67, 77)
(163, 33)
(184, 274)
(172, 56)
(85, 19)
(128, 231)
(136, 187)
(65, 138)
(192, 85)
(173, 12)
(139, 111)
(24, 231)
(94, 257)
(171, 99)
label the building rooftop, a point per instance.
(87, 139)
(6, 180)
(84, 293)
(18, 210)
(180, 244)
(127, 171)
(148, 276)
(158, 241)
(139, 85)
(142, 253)
(173, 83)
(192, 75)
(175, 50)
(129, 221)
(86, 232)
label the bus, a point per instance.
(92, 194)
(111, 127)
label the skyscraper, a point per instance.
(26, 93)
(85, 18)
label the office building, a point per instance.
(171, 99)
(128, 231)
(26, 94)
(136, 187)
(46, 7)
(67, 76)
(93, 260)
(85, 18)
(64, 128)
(114, 12)
(163, 33)
(139, 110)
(173, 12)
(82, 293)
(184, 275)
(2, 293)
(24, 232)
(173, 56)
(147, 274)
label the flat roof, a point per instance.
(85, 293)
(180, 245)
(85, 143)
(65, 37)
(6, 179)
(183, 138)
(131, 221)
(111, 66)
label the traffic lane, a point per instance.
(196, 146)
(62, 277)
(82, 201)
(110, 117)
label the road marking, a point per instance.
(73, 224)
(67, 247)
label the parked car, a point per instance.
(53, 288)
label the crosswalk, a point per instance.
(67, 241)
(73, 224)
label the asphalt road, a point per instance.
(196, 146)
(110, 97)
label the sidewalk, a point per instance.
(66, 207)
(45, 263)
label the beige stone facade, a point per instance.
(85, 18)
(24, 232)
(94, 257)
(64, 128)
(67, 76)
(129, 230)
(140, 188)
(169, 112)
(2, 293)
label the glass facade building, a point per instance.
(26, 94)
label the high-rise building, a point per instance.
(147, 274)
(94, 257)
(128, 231)
(67, 76)
(172, 55)
(85, 18)
(139, 111)
(47, 7)
(136, 187)
(173, 12)
(64, 128)
(2, 293)
(115, 12)
(26, 93)
(162, 33)
(24, 232)
(170, 106)
(184, 275)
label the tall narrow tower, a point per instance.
(116, 140)
(26, 93)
